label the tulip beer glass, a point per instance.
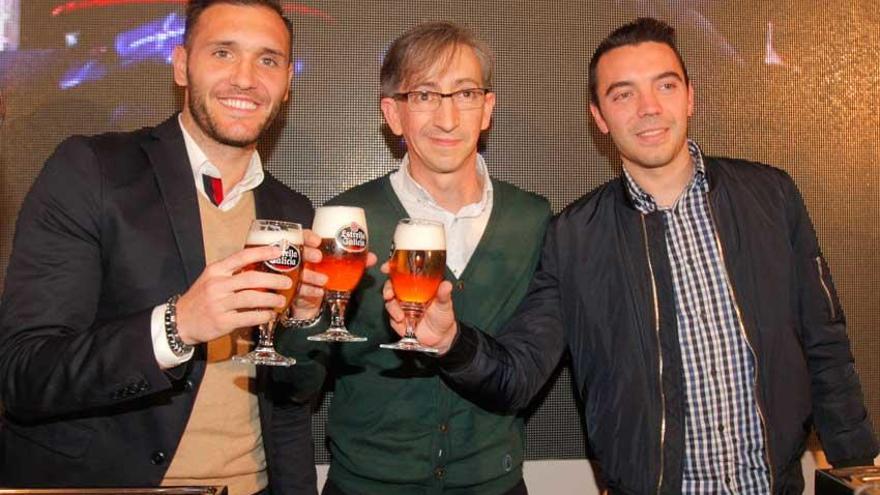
(416, 267)
(343, 231)
(289, 237)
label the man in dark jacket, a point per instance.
(127, 291)
(706, 335)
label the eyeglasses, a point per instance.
(428, 101)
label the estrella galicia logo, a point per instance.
(352, 238)
(288, 261)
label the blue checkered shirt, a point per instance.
(724, 442)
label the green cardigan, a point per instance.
(395, 427)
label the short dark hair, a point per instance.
(421, 47)
(195, 8)
(641, 30)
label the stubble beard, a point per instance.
(199, 110)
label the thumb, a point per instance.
(444, 293)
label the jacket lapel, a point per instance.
(167, 153)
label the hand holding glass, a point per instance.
(343, 231)
(289, 237)
(416, 267)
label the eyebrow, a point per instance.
(623, 84)
(263, 50)
(456, 83)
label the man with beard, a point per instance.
(705, 332)
(126, 296)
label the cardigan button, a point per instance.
(459, 286)
(439, 473)
(158, 458)
(444, 427)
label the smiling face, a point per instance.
(236, 70)
(445, 140)
(644, 102)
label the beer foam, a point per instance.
(420, 235)
(266, 237)
(329, 219)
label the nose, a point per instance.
(649, 104)
(446, 117)
(243, 74)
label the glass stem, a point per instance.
(412, 313)
(267, 334)
(338, 302)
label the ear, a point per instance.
(392, 115)
(178, 61)
(597, 116)
(488, 107)
(690, 99)
(289, 81)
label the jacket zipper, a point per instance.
(825, 288)
(659, 353)
(742, 330)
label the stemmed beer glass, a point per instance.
(289, 237)
(416, 267)
(343, 231)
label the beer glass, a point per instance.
(343, 231)
(416, 267)
(289, 237)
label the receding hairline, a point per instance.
(429, 47)
(439, 65)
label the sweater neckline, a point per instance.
(485, 239)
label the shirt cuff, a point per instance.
(164, 355)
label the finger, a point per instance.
(388, 291)
(385, 268)
(444, 292)
(249, 318)
(312, 255)
(245, 257)
(311, 239)
(395, 312)
(254, 299)
(310, 292)
(371, 259)
(313, 277)
(258, 280)
(398, 327)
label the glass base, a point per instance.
(336, 335)
(406, 344)
(265, 357)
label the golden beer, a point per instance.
(343, 268)
(415, 275)
(343, 231)
(289, 237)
(416, 268)
(283, 265)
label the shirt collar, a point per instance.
(201, 165)
(644, 202)
(415, 190)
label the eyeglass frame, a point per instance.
(406, 95)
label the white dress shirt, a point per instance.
(464, 228)
(200, 164)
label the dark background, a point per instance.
(812, 109)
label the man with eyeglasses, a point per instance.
(395, 427)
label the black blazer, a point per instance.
(109, 230)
